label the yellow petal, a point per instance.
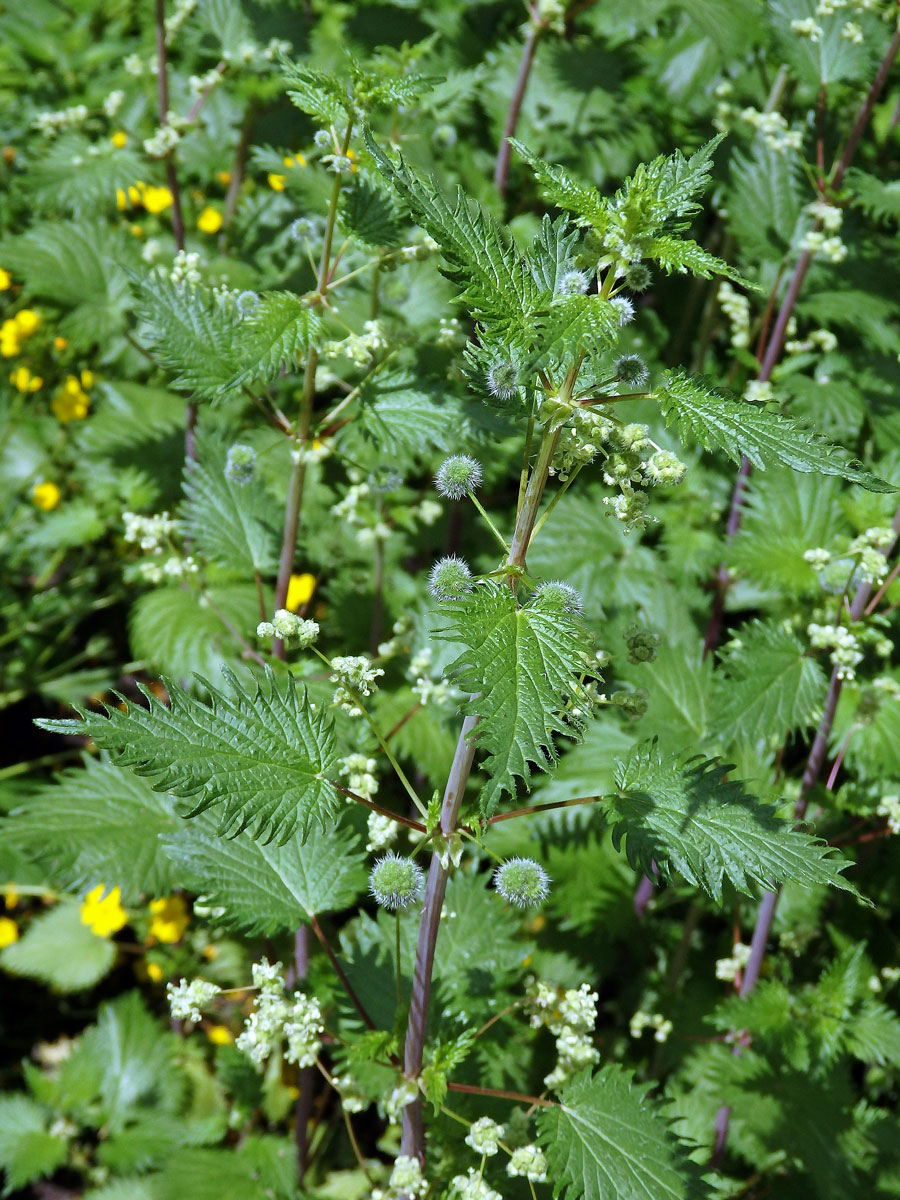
(300, 590)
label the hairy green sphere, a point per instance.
(450, 578)
(395, 881)
(522, 882)
(638, 277)
(457, 476)
(556, 594)
(503, 380)
(631, 369)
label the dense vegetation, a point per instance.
(450, 467)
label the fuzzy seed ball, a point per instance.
(572, 283)
(638, 277)
(631, 369)
(557, 594)
(457, 476)
(450, 578)
(522, 882)
(503, 380)
(395, 881)
(624, 308)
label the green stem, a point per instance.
(298, 471)
(490, 524)
(556, 499)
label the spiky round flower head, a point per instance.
(444, 136)
(239, 464)
(522, 882)
(638, 277)
(631, 369)
(395, 881)
(322, 138)
(450, 578)
(624, 309)
(457, 476)
(247, 301)
(556, 594)
(301, 229)
(503, 379)
(572, 283)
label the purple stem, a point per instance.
(501, 170)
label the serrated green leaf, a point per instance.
(268, 888)
(228, 523)
(273, 337)
(78, 264)
(191, 333)
(552, 252)
(179, 632)
(771, 687)
(481, 257)
(97, 824)
(684, 256)
(784, 514)
(520, 666)
(443, 1057)
(605, 1141)
(369, 214)
(405, 417)
(59, 950)
(738, 428)
(874, 1034)
(79, 176)
(684, 815)
(262, 753)
(28, 1151)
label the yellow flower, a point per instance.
(23, 380)
(155, 972)
(210, 220)
(60, 343)
(220, 1035)
(294, 160)
(5, 280)
(87, 379)
(156, 199)
(104, 917)
(10, 895)
(119, 139)
(223, 177)
(27, 322)
(351, 154)
(210, 953)
(170, 919)
(136, 230)
(130, 198)
(71, 402)
(300, 590)
(9, 933)
(9, 342)
(46, 496)
(276, 182)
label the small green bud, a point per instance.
(395, 881)
(246, 302)
(265, 629)
(444, 136)
(457, 476)
(664, 469)
(450, 578)
(642, 644)
(239, 464)
(556, 594)
(522, 882)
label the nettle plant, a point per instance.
(256, 789)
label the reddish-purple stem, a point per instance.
(501, 170)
